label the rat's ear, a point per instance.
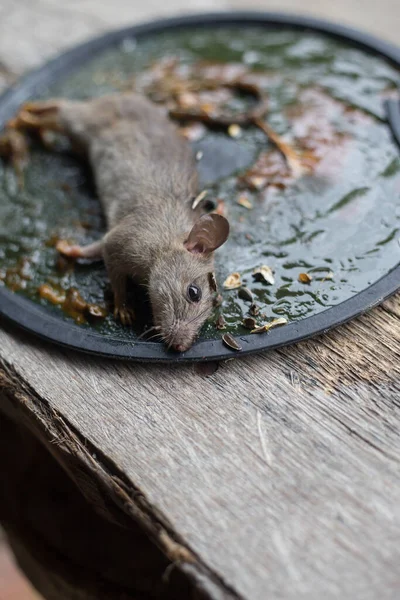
(208, 234)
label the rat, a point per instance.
(146, 178)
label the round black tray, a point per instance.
(36, 319)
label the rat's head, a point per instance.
(181, 285)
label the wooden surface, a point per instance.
(276, 477)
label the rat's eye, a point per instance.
(193, 293)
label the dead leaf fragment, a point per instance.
(245, 202)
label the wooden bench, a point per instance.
(278, 476)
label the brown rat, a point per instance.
(146, 179)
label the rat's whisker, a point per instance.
(153, 337)
(144, 333)
(197, 317)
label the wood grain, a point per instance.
(280, 472)
(277, 476)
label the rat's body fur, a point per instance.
(146, 179)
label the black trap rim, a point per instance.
(36, 319)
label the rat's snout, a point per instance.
(181, 343)
(179, 338)
(180, 347)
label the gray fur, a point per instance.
(146, 179)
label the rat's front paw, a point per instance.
(124, 314)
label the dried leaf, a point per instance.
(292, 158)
(264, 273)
(245, 202)
(232, 282)
(187, 100)
(257, 182)
(270, 169)
(208, 108)
(230, 342)
(55, 296)
(220, 210)
(260, 329)
(305, 278)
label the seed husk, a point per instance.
(230, 342)
(254, 310)
(232, 282)
(249, 323)
(245, 202)
(245, 294)
(94, 312)
(199, 198)
(220, 323)
(212, 281)
(217, 300)
(235, 131)
(220, 209)
(329, 276)
(270, 325)
(305, 278)
(265, 274)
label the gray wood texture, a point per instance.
(276, 477)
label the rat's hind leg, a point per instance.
(94, 250)
(33, 117)
(13, 147)
(38, 116)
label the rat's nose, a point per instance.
(179, 347)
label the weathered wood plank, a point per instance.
(281, 471)
(66, 546)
